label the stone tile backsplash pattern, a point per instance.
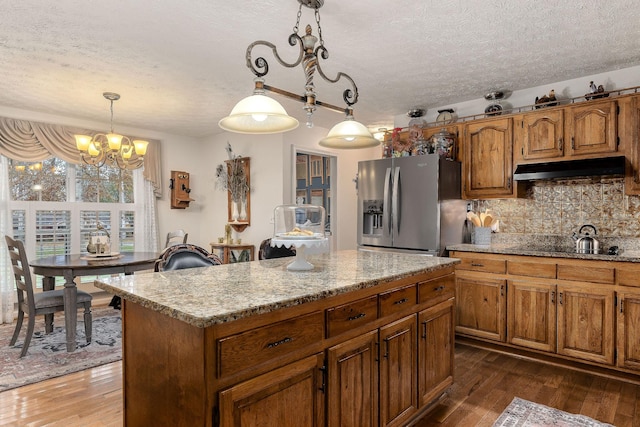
(554, 210)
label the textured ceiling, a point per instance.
(180, 65)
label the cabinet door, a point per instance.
(585, 322)
(288, 396)
(398, 388)
(542, 136)
(352, 388)
(435, 351)
(591, 128)
(481, 307)
(628, 321)
(629, 133)
(488, 159)
(531, 315)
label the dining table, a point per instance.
(71, 266)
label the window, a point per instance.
(57, 205)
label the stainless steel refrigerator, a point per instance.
(410, 204)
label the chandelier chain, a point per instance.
(317, 13)
(111, 108)
(297, 26)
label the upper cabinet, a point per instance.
(541, 133)
(581, 130)
(487, 161)
(591, 128)
(629, 129)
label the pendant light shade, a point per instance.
(349, 134)
(258, 114)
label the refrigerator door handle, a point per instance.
(395, 201)
(386, 213)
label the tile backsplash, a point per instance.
(560, 207)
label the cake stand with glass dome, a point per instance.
(300, 227)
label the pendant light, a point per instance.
(260, 114)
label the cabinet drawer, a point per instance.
(348, 316)
(397, 300)
(437, 290)
(585, 273)
(531, 269)
(486, 265)
(628, 276)
(239, 352)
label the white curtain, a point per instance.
(146, 222)
(6, 272)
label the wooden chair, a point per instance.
(267, 251)
(176, 237)
(34, 304)
(185, 255)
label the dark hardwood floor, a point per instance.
(485, 383)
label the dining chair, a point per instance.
(185, 255)
(34, 304)
(267, 251)
(176, 237)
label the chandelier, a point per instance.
(111, 148)
(260, 114)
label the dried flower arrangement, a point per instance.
(231, 176)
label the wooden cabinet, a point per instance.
(582, 130)
(541, 134)
(585, 322)
(628, 328)
(481, 307)
(629, 121)
(269, 398)
(557, 306)
(398, 379)
(488, 159)
(373, 356)
(531, 314)
(352, 388)
(435, 351)
(591, 128)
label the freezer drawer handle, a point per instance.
(357, 316)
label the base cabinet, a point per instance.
(435, 351)
(531, 315)
(398, 379)
(352, 388)
(585, 323)
(579, 310)
(269, 398)
(628, 333)
(481, 307)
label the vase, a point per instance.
(243, 211)
(235, 211)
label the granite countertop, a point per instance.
(210, 295)
(545, 251)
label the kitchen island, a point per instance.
(363, 339)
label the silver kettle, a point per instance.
(585, 244)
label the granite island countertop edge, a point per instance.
(209, 315)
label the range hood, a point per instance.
(570, 168)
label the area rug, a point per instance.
(47, 356)
(522, 413)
